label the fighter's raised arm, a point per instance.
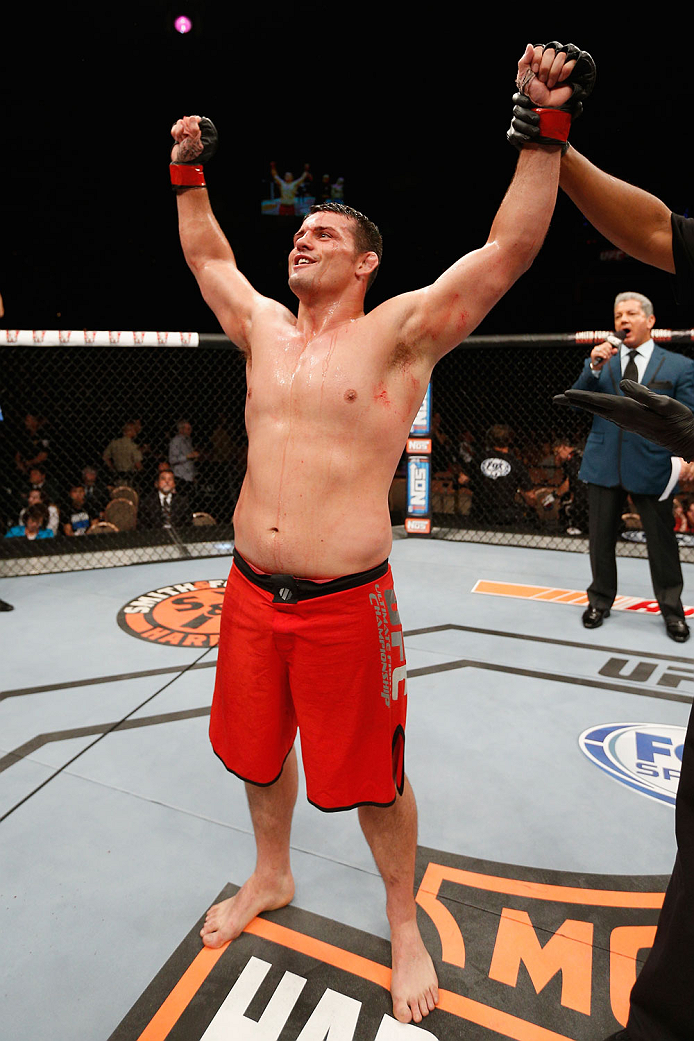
(631, 218)
(441, 315)
(208, 254)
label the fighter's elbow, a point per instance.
(514, 258)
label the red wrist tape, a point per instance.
(187, 175)
(554, 124)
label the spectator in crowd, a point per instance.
(443, 449)
(466, 445)
(289, 187)
(77, 515)
(683, 514)
(220, 440)
(33, 445)
(34, 526)
(164, 507)
(182, 455)
(144, 448)
(123, 457)
(679, 514)
(36, 496)
(323, 192)
(40, 482)
(148, 456)
(572, 492)
(689, 513)
(95, 491)
(497, 478)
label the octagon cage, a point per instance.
(91, 421)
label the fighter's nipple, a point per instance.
(350, 395)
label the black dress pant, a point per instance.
(605, 507)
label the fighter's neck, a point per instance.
(318, 316)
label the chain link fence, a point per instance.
(492, 411)
(100, 436)
(95, 436)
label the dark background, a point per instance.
(410, 105)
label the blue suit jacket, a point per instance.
(614, 456)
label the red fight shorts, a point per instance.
(326, 658)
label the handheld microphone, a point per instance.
(614, 340)
(617, 339)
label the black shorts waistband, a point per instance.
(287, 589)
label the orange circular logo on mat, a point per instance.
(183, 615)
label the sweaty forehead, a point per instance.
(325, 219)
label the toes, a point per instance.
(212, 939)
(402, 1013)
(415, 1010)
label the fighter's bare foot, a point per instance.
(414, 986)
(227, 920)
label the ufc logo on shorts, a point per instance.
(392, 648)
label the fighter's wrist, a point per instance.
(553, 127)
(187, 175)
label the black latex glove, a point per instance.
(656, 417)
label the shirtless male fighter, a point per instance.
(310, 632)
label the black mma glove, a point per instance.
(656, 417)
(525, 123)
(544, 126)
(188, 172)
(582, 76)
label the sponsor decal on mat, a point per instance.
(566, 596)
(644, 756)
(182, 615)
(520, 953)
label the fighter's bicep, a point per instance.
(448, 310)
(231, 298)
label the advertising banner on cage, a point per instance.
(418, 516)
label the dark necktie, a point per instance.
(630, 371)
(166, 509)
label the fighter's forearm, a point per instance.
(202, 239)
(521, 223)
(631, 218)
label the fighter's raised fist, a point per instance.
(196, 140)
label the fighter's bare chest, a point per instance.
(335, 375)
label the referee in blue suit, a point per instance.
(618, 463)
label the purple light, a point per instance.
(183, 24)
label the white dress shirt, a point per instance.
(641, 357)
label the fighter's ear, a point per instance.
(368, 262)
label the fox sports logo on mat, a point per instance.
(644, 756)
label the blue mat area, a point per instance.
(119, 825)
